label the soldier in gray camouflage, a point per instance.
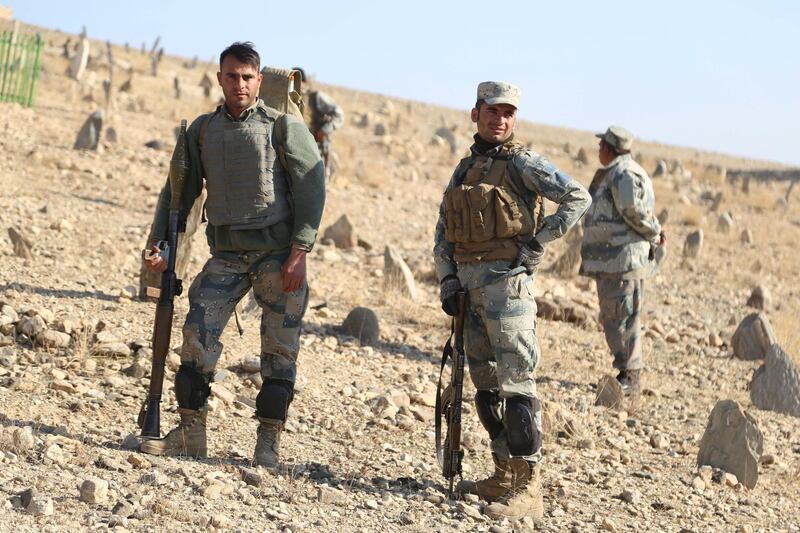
(490, 237)
(323, 116)
(266, 191)
(621, 232)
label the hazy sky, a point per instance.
(718, 75)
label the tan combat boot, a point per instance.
(188, 438)
(525, 499)
(492, 487)
(268, 443)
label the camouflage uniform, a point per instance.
(500, 327)
(265, 184)
(323, 117)
(620, 233)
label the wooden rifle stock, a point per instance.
(448, 402)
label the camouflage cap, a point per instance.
(498, 92)
(618, 137)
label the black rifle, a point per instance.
(448, 402)
(171, 286)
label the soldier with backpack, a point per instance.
(266, 191)
(323, 116)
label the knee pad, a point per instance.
(489, 406)
(524, 438)
(191, 387)
(274, 398)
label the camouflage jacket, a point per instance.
(541, 178)
(620, 226)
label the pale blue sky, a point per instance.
(718, 75)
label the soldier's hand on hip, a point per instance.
(662, 237)
(153, 261)
(448, 289)
(293, 272)
(530, 255)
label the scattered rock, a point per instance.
(753, 337)
(397, 274)
(609, 393)
(136, 370)
(381, 129)
(327, 494)
(448, 135)
(661, 169)
(693, 244)
(94, 490)
(582, 156)
(156, 144)
(36, 504)
(250, 476)
(53, 339)
(113, 349)
(23, 439)
(760, 298)
(363, 324)
(342, 233)
(630, 496)
(31, 326)
(659, 441)
(732, 442)
(725, 223)
(747, 236)
(22, 245)
(776, 384)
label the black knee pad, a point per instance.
(524, 438)
(489, 406)
(191, 387)
(274, 398)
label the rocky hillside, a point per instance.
(74, 348)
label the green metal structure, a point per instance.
(20, 64)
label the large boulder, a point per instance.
(693, 244)
(396, 273)
(760, 298)
(732, 442)
(342, 233)
(362, 323)
(753, 337)
(89, 135)
(776, 384)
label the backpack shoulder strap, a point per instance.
(281, 123)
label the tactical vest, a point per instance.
(489, 211)
(248, 186)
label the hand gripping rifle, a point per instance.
(448, 401)
(171, 286)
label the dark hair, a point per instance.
(302, 73)
(245, 52)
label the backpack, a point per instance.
(280, 89)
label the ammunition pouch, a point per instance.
(487, 212)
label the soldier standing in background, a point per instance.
(323, 117)
(251, 158)
(489, 240)
(621, 232)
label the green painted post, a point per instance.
(35, 69)
(4, 44)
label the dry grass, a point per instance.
(785, 324)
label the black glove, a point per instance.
(530, 255)
(448, 289)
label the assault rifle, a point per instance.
(448, 401)
(171, 286)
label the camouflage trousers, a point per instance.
(620, 309)
(501, 345)
(213, 296)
